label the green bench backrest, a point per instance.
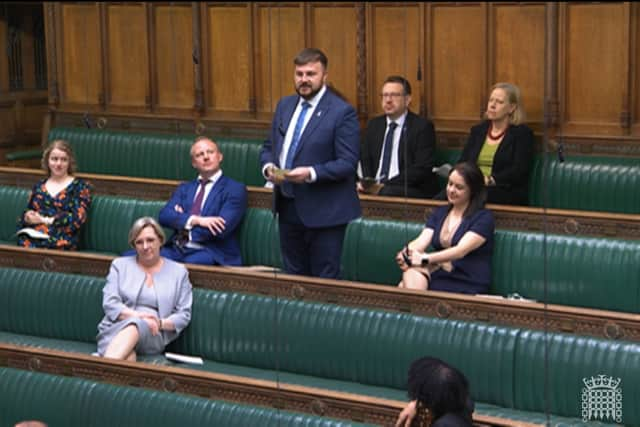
(61, 401)
(370, 246)
(156, 155)
(580, 271)
(13, 201)
(608, 184)
(352, 344)
(600, 183)
(505, 365)
(570, 361)
(51, 305)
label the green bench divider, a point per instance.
(61, 401)
(351, 349)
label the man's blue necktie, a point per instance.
(287, 187)
(386, 153)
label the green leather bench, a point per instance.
(159, 156)
(600, 183)
(62, 401)
(581, 271)
(347, 349)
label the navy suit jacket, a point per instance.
(330, 144)
(419, 139)
(228, 199)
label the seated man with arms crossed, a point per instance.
(205, 213)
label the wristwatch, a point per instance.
(425, 261)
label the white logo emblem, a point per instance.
(602, 399)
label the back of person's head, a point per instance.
(406, 86)
(474, 179)
(62, 145)
(439, 387)
(513, 97)
(311, 54)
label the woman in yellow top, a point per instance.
(502, 146)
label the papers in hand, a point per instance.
(33, 233)
(442, 170)
(280, 173)
(370, 185)
(194, 360)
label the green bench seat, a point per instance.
(580, 271)
(61, 401)
(159, 156)
(345, 349)
(588, 183)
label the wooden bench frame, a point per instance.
(556, 221)
(319, 402)
(261, 281)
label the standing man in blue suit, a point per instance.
(205, 213)
(312, 155)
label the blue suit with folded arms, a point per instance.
(205, 213)
(315, 138)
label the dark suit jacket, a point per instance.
(330, 144)
(511, 164)
(419, 138)
(228, 199)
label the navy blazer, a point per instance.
(511, 164)
(418, 138)
(228, 199)
(330, 143)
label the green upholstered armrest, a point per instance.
(24, 155)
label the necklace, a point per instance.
(498, 136)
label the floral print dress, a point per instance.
(69, 209)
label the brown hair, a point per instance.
(311, 54)
(61, 145)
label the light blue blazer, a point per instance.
(174, 290)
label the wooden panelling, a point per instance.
(595, 43)
(395, 49)
(247, 49)
(4, 60)
(458, 65)
(280, 38)
(128, 57)
(339, 46)
(635, 63)
(80, 59)
(518, 53)
(228, 57)
(173, 47)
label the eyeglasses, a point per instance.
(391, 95)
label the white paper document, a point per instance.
(194, 360)
(33, 233)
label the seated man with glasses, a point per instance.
(398, 148)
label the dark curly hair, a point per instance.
(441, 388)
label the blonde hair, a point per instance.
(140, 224)
(61, 145)
(513, 96)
